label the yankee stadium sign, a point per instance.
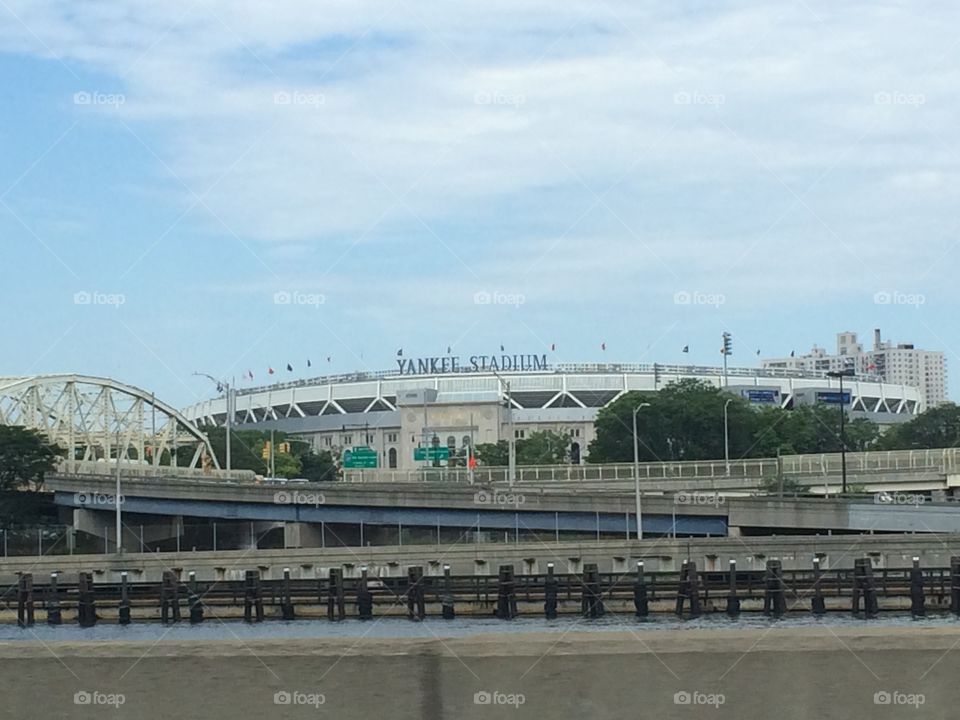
(475, 363)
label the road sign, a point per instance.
(360, 457)
(433, 453)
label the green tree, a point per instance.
(938, 427)
(544, 447)
(26, 456)
(318, 467)
(493, 454)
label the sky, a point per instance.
(223, 187)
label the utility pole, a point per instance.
(228, 387)
(636, 471)
(511, 433)
(116, 500)
(840, 375)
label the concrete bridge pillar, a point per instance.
(302, 535)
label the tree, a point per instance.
(938, 427)
(543, 447)
(25, 457)
(493, 454)
(318, 467)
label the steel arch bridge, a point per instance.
(100, 419)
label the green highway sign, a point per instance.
(433, 453)
(360, 457)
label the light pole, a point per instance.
(511, 433)
(221, 385)
(840, 375)
(636, 470)
(116, 500)
(726, 436)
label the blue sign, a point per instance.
(833, 398)
(762, 396)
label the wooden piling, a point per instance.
(170, 597)
(54, 616)
(733, 600)
(641, 604)
(506, 594)
(446, 601)
(817, 603)
(774, 602)
(591, 594)
(416, 604)
(955, 585)
(364, 597)
(336, 604)
(124, 609)
(286, 601)
(550, 594)
(86, 600)
(863, 587)
(25, 600)
(252, 598)
(689, 589)
(194, 601)
(917, 599)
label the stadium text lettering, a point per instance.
(441, 365)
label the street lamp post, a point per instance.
(726, 436)
(840, 375)
(636, 470)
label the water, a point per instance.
(432, 628)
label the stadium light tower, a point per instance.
(636, 470)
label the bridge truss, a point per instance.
(97, 419)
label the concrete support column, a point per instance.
(301, 535)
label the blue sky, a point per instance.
(185, 166)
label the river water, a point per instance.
(431, 628)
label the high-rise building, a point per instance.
(900, 364)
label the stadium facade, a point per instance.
(437, 402)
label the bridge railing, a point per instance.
(146, 470)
